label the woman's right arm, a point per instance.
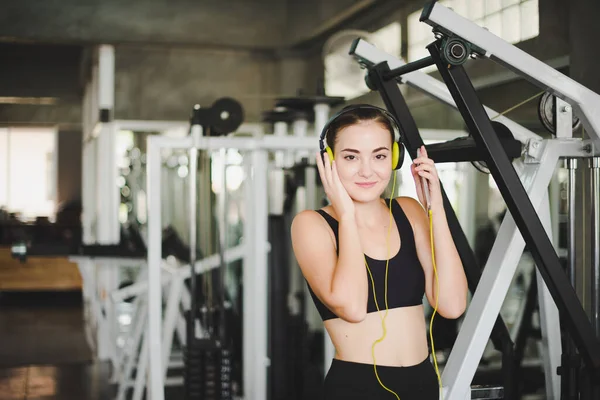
(339, 282)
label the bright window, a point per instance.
(511, 20)
(28, 171)
(343, 75)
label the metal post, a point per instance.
(108, 218)
(248, 300)
(153, 336)
(196, 133)
(300, 129)
(569, 367)
(549, 319)
(222, 243)
(283, 158)
(170, 320)
(321, 117)
(595, 164)
(571, 165)
(106, 77)
(257, 285)
(88, 192)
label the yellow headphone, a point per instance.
(397, 148)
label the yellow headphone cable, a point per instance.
(385, 296)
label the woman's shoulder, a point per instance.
(308, 220)
(409, 204)
(413, 209)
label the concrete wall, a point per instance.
(160, 83)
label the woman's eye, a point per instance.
(349, 158)
(380, 156)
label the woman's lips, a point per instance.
(366, 185)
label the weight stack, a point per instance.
(207, 371)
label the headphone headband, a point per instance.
(353, 107)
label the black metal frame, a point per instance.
(397, 106)
(577, 324)
(520, 207)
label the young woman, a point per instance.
(368, 263)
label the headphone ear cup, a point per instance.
(395, 155)
(398, 154)
(329, 153)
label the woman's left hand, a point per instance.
(423, 168)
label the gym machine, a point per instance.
(254, 251)
(208, 360)
(528, 221)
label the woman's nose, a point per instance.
(365, 169)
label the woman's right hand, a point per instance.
(336, 192)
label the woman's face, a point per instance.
(363, 157)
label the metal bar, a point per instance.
(106, 77)
(153, 337)
(170, 321)
(206, 264)
(571, 165)
(258, 283)
(248, 305)
(523, 330)
(407, 68)
(520, 206)
(193, 221)
(222, 245)
(132, 350)
(107, 216)
(88, 193)
(142, 369)
(266, 142)
(396, 104)
(569, 369)
(595, 164)
(549, 318)
(178, 126)
(585, 101)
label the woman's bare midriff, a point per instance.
(405, 343)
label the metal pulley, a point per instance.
(547, 113)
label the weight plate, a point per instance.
(283, 115)
(308, 102)
(227, 115)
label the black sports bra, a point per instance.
(406, 279)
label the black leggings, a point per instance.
(355, 381)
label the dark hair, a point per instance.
(356, 116)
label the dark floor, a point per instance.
(44, 354)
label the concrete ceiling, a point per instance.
(43, 44)
(248, 24)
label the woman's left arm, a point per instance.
(446, 277)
